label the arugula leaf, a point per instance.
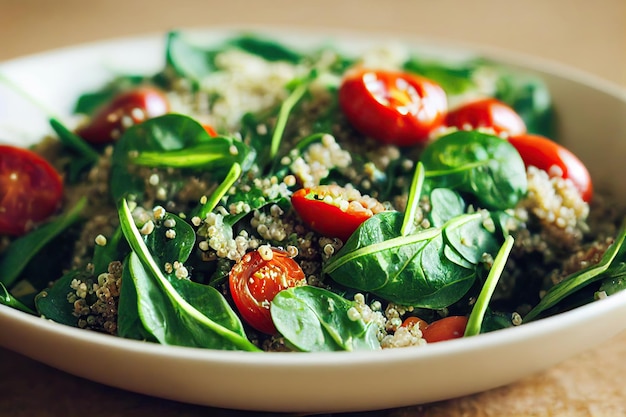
(314, 319)
(178, 311)
(484, 165)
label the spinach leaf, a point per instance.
(611, 266)
(172, 140)
(187, 59)
(52, 302)
(116, 249)
(89, 102)
(265, 48)
(409, 270)
(453, 78)
(178, 311)
(129, 322)
(529, 96)
(486, 166)
(474, 323)
(444, 205)
(314, 319)
(8, 300)
(22, 250)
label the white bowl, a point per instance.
(592, 122)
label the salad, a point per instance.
(254, 196)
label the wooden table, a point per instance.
(587, 35)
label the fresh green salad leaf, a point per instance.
(314, 319)
(8, 300)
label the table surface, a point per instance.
(588, 35)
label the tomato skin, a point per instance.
(413, 321)
(487, 113)
(30, 190)
(255, 281)
(327, 218)
(447, 328)
(124, 110)
(392, 107)
(543, 153)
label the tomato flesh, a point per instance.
(332, 210)
(126, 109)
(392, 107)
(487, 113)
(30, 190)
(255, 280)
(447, 328)
(545, 154)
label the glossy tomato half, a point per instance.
(123, 111)
(256, 279)
(447, 328)
(334, 211)
(545, 154)
(30, 190)
(393, 107)
(487, 113)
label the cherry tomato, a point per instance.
(126, 109)
(30, 190)
(334, 211)
(413, 321)
(487, 112)
(256, 279)
(545, 154)
(451, 327)
(393, 107)
(209, 129)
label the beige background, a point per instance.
(589, 35)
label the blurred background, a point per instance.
(580, 33)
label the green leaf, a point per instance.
(172, 140)
(485, 166)
(52, 302)
(612, 264)
(409, 270)
(179, 311)
(444, 205)
(22, 250)
(265, 48)
(129, 323)
(314, 319)
(453, 78)
(8, 300)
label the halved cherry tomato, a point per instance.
(487, 112)
(413, 321)
(393, 107)
(447, 328)
(334, 211)
(126, 109)
(209, 129)
(30, 190)
(545, 154)
(256, 279)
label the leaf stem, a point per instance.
(283, 115)
(414, 196)
(477, 315)
(233, 174)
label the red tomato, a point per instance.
(209, 129)
(126, 109)
(30, 190)
(393, 107)
(545, 154)
(451, 327)
(487, 112)
(256, 279)
(413, 321)
(334, 211)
